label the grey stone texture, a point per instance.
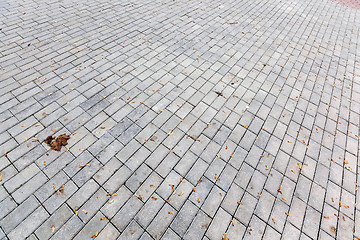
(188, 119)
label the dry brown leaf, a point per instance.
(152, 186)
(239, 203)
(154, 198)
(103, 218)
(198, 200)
(232, 223)
(273, 221)
(326, 217)
(171, 213)
(288, 213)
(181, 193)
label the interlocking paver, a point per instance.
(242, 121)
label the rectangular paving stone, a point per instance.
(219, 224)
(161, 221)
(26, 227)
(14, 218)
(109, 232)
(69, 229)
(21, 178)
(118, 179)
(127, 212)
(149, 211)
(56, 220)
(92, 227)
(60, 196)
(29, 187)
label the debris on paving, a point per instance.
(56, 144)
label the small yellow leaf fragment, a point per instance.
(221, 196)
(103, 218)
(152, 186)
(171, 213)
(198, 200)
(326, 217)
(181, 193)
(53, 130)
(232, 223)
(84, 211)
(239, 203)
(273, 221)
(288, 213)
(182, 180)
(224, 237)
(95, 235)
(52, 228)
(76, 212)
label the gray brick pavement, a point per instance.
(188, 119)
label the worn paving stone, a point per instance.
(243, 121)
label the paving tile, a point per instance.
(240, 129)
(198, 227)
(161, 221)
